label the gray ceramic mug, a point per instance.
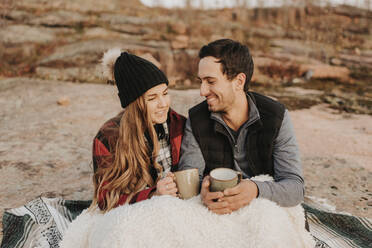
(223, 178)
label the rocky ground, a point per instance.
(47, 129)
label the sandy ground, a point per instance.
(45, 148)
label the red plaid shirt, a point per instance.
(104, 145)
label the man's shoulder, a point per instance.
(267, 105)
(201, 108)
(199, 117)
(262, 99)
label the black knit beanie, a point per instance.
(134, 76)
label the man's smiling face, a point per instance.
(215, 86)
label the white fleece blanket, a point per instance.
(170, 222)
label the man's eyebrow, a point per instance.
(207, 77)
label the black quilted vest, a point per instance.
(216, 147)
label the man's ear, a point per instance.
(240, 81)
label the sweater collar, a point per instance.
(254, 114)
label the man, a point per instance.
(242, 130)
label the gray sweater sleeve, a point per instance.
(288, 187)
(191, 155)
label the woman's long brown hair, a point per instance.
(127, 172)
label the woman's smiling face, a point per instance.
(157, 103)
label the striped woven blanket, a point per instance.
(43, 221)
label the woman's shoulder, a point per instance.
(176, 123)
(174, 116)
(109, 131)
(113, 122)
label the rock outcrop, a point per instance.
(64, 40)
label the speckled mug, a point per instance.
(223, 178)
(187, 182)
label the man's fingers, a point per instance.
(235, 202)
(213, 195)
(240, 195)
(206, 182)
(217, 205)
(232, 191)
(207, 194)
(233, 198)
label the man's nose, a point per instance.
(204, 89)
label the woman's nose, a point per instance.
(162, 102)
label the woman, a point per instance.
(135, 152)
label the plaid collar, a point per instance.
(162, 131)
(164, 157)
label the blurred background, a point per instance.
(324, 46)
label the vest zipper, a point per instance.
(251, 166)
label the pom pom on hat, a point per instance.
(108, 62)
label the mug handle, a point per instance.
(240, 176)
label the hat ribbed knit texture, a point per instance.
(134, 76)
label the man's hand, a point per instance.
(240, 195)
(213, 200)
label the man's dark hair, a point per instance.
(233, 56)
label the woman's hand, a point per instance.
(166, 186)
